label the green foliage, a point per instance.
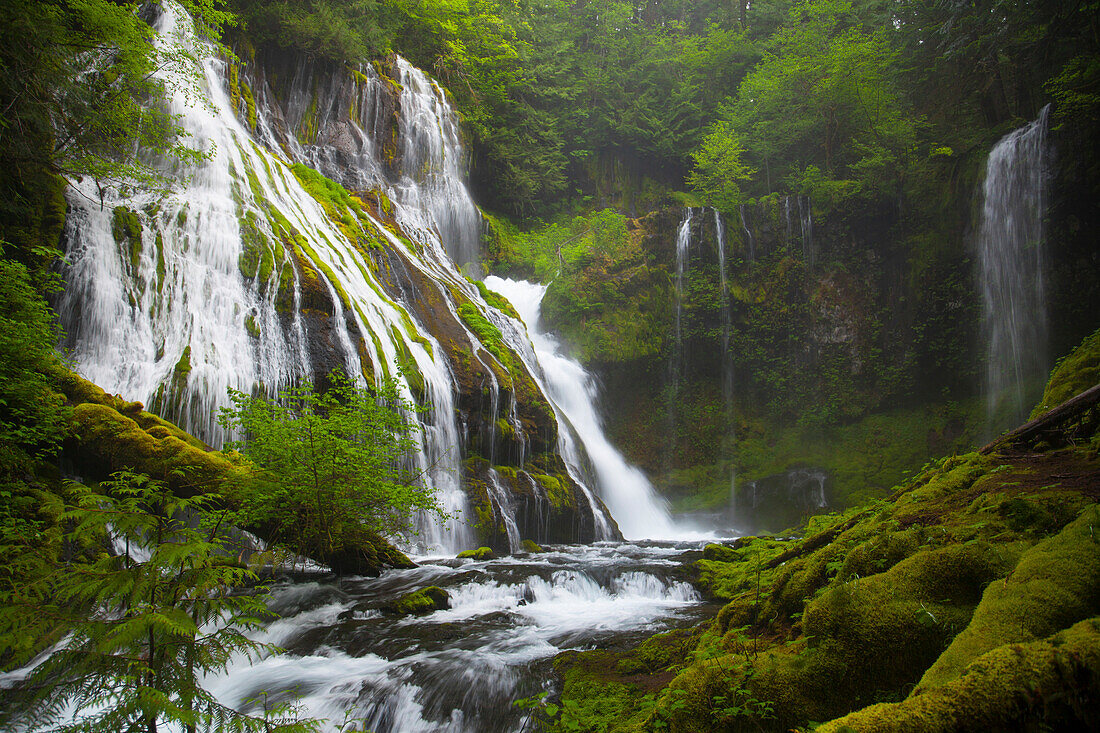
(77, 83)
(343, 31)
(141, 627)
(824, 97)
(332, 465)
(32, 416)
(718, 168)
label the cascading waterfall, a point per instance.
(172, 298)
(726, 357)
(432, 186)
(1010, 257)
(624, 488)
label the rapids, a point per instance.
(458, 669)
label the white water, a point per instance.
(628, 494)
(432, 189)
(458, 669)
(1010, 256)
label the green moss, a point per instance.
(257, 258)
(183, 366)
(594, 697)
(234, 85)
(558, 494)
(532, 547)
(725, 572)
(126, 228)
(496, 300)
(161, 267)
(251, 325)
(1055, 584)
(158, 451)
(425, 600)
(1050, 684)
(505, 430)
(250, 105)
(487, 333)
(481, 553)
(1073, 374)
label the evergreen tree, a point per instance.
(135, 629)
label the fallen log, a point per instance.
(1066, 412)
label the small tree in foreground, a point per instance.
(333, 464)
(135, 630)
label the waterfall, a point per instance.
(626, 491)
(676, 359)
(725, 356)
(1010, 261)
(432, 187)
(240, 278)
(749, 240)
(724, 304)
(806, 221)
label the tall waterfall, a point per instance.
(1010, 257)
(224, 281)
(629, 496)
(676, 359)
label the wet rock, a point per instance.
(425, 600)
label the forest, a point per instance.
(498, 365)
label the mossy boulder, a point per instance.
(532, 547)
(480, 554)
(1055, 584)
(420, 602)
(719, 553)
(1047, 684)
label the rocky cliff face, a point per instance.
(746, 329)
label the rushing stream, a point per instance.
(458, 669)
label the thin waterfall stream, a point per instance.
(1011, 272)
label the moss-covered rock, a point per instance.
(1055, 584)
(927, 611)
(420, 602)
(1075, 373)
(480, 554)
(1047, 684)
(127, 229)
(532, 547)
(110, 433)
